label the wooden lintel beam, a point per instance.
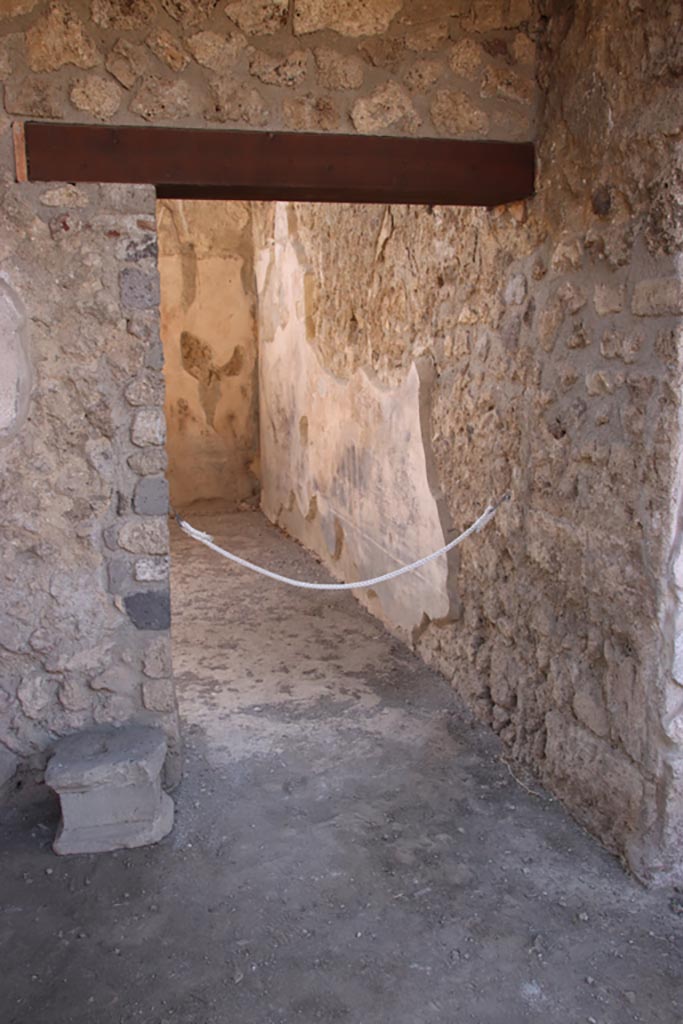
(214, 164)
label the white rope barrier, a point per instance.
(206, 539)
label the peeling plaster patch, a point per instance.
(209, 337)
(354, 451)
(197, 360)
(16, 377)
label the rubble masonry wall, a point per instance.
(552, 329)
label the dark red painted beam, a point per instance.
(196, 163)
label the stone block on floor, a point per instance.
(109, 785)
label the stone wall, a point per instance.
(84, 595)
(209, 337)
(553, 330)
(603, 433)
(85, 614)
(451, 67)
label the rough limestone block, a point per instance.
(145, 389)
(152, 570)
(109, 786)
(147, 462)
(348, 19)
(149, 428)
(144, 536)
(96, 95)
(658, 297)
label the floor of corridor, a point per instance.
(349, 846)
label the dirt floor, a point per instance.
(349, 846)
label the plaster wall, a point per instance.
(345, 464)
(209, 337)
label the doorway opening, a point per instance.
(275, 436)
(267, 410)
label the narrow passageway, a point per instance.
(373, 858)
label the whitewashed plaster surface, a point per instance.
(15, 368)
(343, 462)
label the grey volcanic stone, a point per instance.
(145, 249)
(154, 357)
(118, 575)
(149, 609)
(109, 785)
(151, 496)
(138, 289)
